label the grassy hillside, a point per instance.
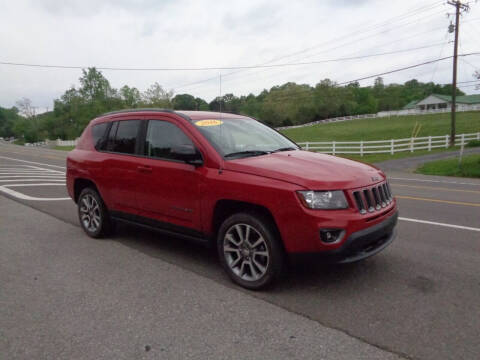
(386, 128)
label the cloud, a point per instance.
(86, 8)
(188, 33)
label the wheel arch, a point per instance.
(80, 184)
(225, 208)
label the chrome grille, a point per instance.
(373, 198)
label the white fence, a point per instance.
(57, 142)
(337, 119)
(391, 146)
(66, 142)
(460, 108)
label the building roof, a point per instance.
(462, 99)
(410, 105)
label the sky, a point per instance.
(196, 34)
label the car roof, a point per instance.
(191, 115)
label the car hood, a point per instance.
(311, 170)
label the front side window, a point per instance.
(163, 138)
(122, 137)
(234, 138)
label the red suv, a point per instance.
(230, 181)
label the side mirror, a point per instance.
(188, 153)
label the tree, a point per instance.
(95, 87)
(26, 108)
(201, 104)
(130, 96)
(184, 102)
(156, 96)
(27, 126)
(8, 117)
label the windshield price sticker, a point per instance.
(208, 122)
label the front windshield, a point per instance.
(235, 138)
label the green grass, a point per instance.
(395, 127)
(469, 167)
(66, 148)
(473, 143)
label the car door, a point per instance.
(168, 188)
(119, 167)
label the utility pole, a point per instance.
(458, 7)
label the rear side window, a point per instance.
(161, 137)
(98, 134)
(122, 137)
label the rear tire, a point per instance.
(250, 250)
(93, 214)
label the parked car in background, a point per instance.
(232, 182)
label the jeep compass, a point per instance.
(231, 182)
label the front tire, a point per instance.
(93, 214)
(250, 251)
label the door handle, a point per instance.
(144, 169)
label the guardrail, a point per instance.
(391, 146)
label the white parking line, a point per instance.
(440, 224)
(19, 195)
(53, 176)
(434, 181)
(28, 180)
(32, 162)
(29, 176)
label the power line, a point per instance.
(237, 72)
(467, 86)
(411, 12)
(286, 96)
(406, 68)
(220, 67)
(198, 82)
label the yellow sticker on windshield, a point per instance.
(209, 122)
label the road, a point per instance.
(418, 299)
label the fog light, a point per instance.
(330, 236)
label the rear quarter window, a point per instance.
(98, 134)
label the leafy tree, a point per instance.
(287, 104)
(201, 104)
(156, 96)
(8, 117)
(184, 102)
(95, 87)
(130, 96)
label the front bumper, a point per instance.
(359, 245)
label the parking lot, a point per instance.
(144, 295)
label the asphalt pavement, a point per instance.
(138, 290)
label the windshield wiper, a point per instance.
(285, 149)
(247, 153)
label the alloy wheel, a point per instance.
(246, 252)
(90, 213)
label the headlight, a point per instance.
(327, 200)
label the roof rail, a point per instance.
(138, 110)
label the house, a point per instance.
(437, 102)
